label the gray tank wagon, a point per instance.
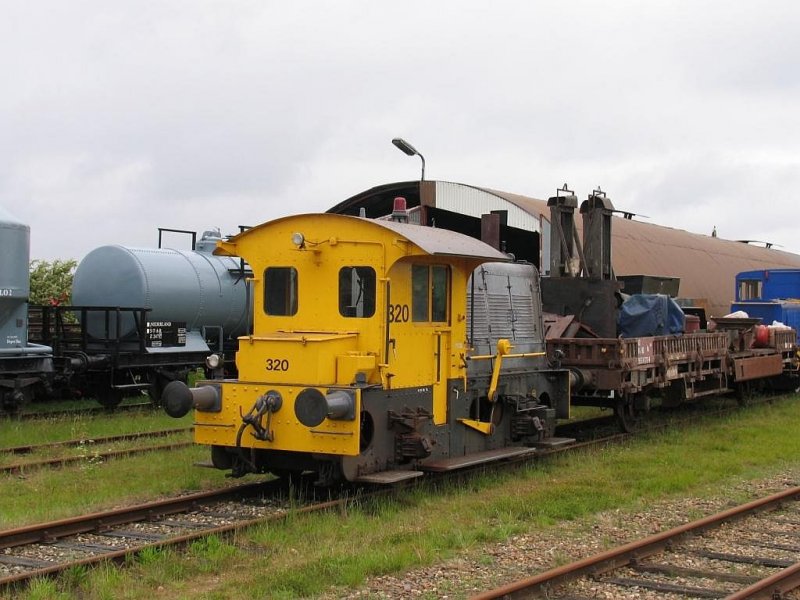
(21, 363)
(194, 288)
(148, 316)
(142, 317)
(14, 288)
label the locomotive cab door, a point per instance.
(430, 308)
(420, 331)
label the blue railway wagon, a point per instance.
(768, 284)
(771, 295)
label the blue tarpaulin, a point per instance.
(649, 314)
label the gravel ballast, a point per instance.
(521, 556)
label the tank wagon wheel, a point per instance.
(11, 402)
(158, 381)
(108, 396)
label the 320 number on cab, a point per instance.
(277, 364)
(398, 313)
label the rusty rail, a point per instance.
(766, 589)
(93, 441)
(92, 410)
(92, 456)
(623, 555)
(48, 532)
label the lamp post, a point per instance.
(410, 151)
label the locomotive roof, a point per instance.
(441, 241)
(433, 241)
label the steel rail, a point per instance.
(54, 414)
(621, 556)
(690, 412)
(104, 521)
(770, 587)
(98, 522)
(71, 460)
(89, 441)
(50, 531)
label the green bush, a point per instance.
(51, 282)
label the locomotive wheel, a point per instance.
(289, 476)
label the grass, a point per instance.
(60, 428)
(63, 404)
(47, 494)
(310, 555)
(91, 450)
(583, 413)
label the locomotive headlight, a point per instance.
(299, 240)
(213, 361)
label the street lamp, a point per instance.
(411, 151)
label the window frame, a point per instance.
(436, 302)
(750, 289)
(367, 274)
(290, 288)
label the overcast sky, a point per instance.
(120, 117)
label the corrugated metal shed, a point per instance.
(474, 201)
(706, 266)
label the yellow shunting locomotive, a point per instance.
(379, 350)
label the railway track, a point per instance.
(89, 449)
(31, 448)
(747, 552)
(50, 548)
(88, 411)
(658, 419)
(598, 428)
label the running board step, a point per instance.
(131, 386)
(554, 442)
(389, 477)
(451, 464)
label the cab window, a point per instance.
(429, 293)
(749, 289)
(357, 292)
(280, 291)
